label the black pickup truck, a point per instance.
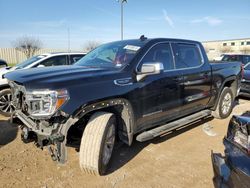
(122, 90)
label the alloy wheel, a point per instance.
(6, 104)
(109, 144)
(226, 103)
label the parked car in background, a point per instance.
(245, 82)
(3, 63)
(43, 60)
(244, 59)
(219, 58)
(233, 169)
(141, 87)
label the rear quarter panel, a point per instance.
(223, 73)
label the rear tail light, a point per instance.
(239, 131)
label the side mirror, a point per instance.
(39, 66)
(149, 68)
(3, 63)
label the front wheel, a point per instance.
(6, 107)
(225, 104)
(97, 143)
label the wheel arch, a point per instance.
(122, 109)
(230, 82)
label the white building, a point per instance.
(216, 48)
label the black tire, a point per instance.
(6, 107)
(225, 104)
(97, 143)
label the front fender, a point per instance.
(126, 114)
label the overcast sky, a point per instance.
(99, 20)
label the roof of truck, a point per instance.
(63, 53)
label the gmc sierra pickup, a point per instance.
(122, 90)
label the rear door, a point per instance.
(158, 97)
(197, 78)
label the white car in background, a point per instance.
(43, 60)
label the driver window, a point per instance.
(160, 53)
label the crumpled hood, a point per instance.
(48, 76)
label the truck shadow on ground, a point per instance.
(123, 153)
(8, 132)
(243, 98)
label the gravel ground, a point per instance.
(178, 159)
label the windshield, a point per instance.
(112, 55)
(29, 61)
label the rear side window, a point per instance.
(160, 53)
(54, 61)
(186, 56)
(75, 58)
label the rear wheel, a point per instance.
(225, 104)
(97, 143)
(6, 107)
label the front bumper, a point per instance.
(50, 132)
(42, 128)
(53, 136)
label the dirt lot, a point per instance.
(175, 160)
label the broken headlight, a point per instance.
(239, 132)
(43, 103)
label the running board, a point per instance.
(152, 133)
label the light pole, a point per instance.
(68, 39)
(122, 1)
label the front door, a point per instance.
(158, 97)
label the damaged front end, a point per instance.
(233, 169)
(42, 120)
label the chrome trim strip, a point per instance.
(145, 115)
(170, 43)
(173, 56)
(129, 79)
